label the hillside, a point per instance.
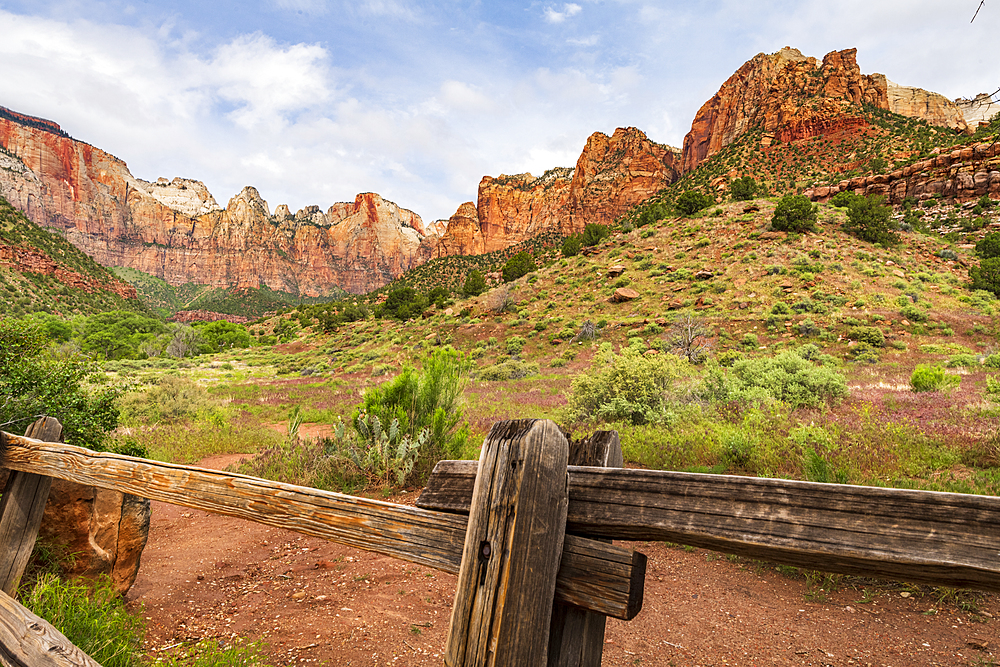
(41, 271)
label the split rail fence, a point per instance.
(528, 531)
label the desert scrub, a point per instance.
(928, 377)
(626, 387)
(787, 377)
(511, 369)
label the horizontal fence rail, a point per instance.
(945, 539)
(593, 575)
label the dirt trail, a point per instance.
(313, 601)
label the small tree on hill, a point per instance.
(692, 201)
(869, 219)
(986, 276)
(571, 246)
(989, 246)
(794, 213)
(519, 265)
(594, 233)
(743, 189)
(475, 283)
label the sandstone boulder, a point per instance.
(623, 294)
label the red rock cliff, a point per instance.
(794, 97)
(612, 175)
(176, 231)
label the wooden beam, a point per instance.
(597, 576)
(27, 640)
(944, 539)
(21, 509)
(503, 600)
(576, 638)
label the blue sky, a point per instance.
(314, 101)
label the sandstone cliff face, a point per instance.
(175, 229)
(792, 97)
(612, 175)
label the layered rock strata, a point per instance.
(792, 96)
(963, 174)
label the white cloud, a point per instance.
(568, 10)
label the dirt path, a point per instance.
(317, 602)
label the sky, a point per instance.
(314, 101)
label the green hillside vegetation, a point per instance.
(27, 292)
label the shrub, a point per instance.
(475, 283)
(691, 201)
(594, 233)
(519, 265)
(781, 308)
(429, 399)
(511, 369)
(871, 335)
(913, 314)
(514, 345)
(627, 386)
(743, 189)
(786, 377)
(794, 213)
(843, 199)
(34, 381)
(869, 219)
(928, 377)
(750, 341)
(571, 246)
(986, 276)
(864, 353)
(402, 303)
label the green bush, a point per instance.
(989, 246)
(475, 283)
(691, 201)
(786, 377)
(913, 314)
(627, 386)
(986, 276)
(511, 369)
(928, 377)
(519, 265)
(594, 233)
(794, 213)
(843, 199)
(221, 335)
(35, 380)
(430, 400)
(402, 303)
(781, 308)
(571, 246)
(743, 188)
(871, 335)
(869, 219)
(514, 345)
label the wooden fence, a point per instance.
(527, 530)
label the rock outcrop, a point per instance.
(962, 175)
(612, 175)
(791, 96)
(979, 109)
(175, 230)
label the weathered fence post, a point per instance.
(513, 546)
(21, 510)
(576, 637)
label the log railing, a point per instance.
(527, 534)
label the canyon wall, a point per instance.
(612, 175)
(175, 230)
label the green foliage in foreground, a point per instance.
(743, 189)
(626, 386)
(35, 380)
(428, 399)
(869, 219)
(93, 619)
